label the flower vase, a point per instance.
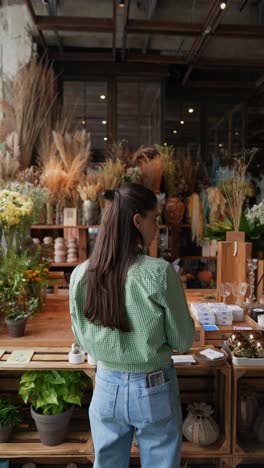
(59, 212)
(49, 213)
(91, 212)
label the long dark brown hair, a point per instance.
(116, 248)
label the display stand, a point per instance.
(232, 261)
(246, 450)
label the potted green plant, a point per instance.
(53, 394)
(9, 417)
(16, 305)
(77, 354)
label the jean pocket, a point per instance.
(156, 403)
(104, 399)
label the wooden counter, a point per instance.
(216, 338)
(51, 327)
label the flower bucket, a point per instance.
(16, 328)
(91, 212)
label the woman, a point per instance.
(129, 312)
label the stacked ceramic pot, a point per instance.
(48, 248)
(59, 250)
(72, 251)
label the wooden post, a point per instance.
(232, 261)
(260, 279)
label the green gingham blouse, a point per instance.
(158, 314)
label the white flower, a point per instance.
(255, 215)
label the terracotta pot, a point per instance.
(174, 211)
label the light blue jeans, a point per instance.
(122, 406)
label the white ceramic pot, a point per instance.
(76, 358)
(91, 360)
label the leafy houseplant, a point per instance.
(254, 230)
(9, 417)
(15, 304)
(53, 395)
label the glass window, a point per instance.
(86, 101)
(138, 113)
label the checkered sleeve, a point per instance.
(179, 326)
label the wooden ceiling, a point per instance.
(191, 35)
(204, 51)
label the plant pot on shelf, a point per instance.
(52, 428)
(5, 432)
(16, 328)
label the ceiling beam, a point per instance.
(221, 84)
(34, 19)
(214, 17)
(171, 28)
(80, 56)
(229, 64)
(152, 6)
(74, 23)
(203, 64)
(114, 31)
(124, 35)
(52, 10)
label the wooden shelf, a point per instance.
(197, 257)
(65, 264)
(246, 450)
(61, 226)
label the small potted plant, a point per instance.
(76, 355)
(15, 303)
(53, 394)
(9, 418)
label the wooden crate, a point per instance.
(211, 385)
(25, 443)
(246, 450)
(199, 334)
(196, 382)
(217, 337)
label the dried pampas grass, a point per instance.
(234, 187)
(119, 151)
(90, 191)
(58, 121)
(71, 146)
(54, 178)
(152, 171)
(34, 93)
(10, 157)
(111, 174)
